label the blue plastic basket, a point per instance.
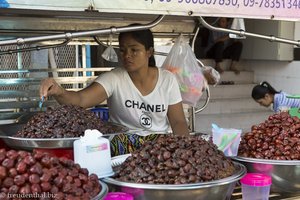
(102, 113)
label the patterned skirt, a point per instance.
(127, 143)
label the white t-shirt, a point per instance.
(127, 106)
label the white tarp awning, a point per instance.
(260, 9)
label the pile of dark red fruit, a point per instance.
(278, 138)
(176, 160)
(65, 121)
(40, 176)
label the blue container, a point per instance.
(102, 113)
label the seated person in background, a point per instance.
(221, 46)
(265, 95)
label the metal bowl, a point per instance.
(285, 173)
(219, 189)
(102, 193)
(7, 132)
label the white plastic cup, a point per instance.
(93, 152)
(256, 186)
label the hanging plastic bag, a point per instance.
(182, 62)
(211, 75)
(110, 54)
(237, 24)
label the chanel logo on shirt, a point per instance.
(146, 121)
(145, 107)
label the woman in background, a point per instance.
(265, 95)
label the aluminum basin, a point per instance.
(7, 132)
(102, 193)
(285, 173)
(219, 189)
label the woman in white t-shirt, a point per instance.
(139, 95)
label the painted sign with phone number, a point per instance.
(262, 9)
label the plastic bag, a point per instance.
(211, 75)
(110, 54)
(182, 62)
(227, 140)
(237, 24)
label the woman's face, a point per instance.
(266, 101)
(133, 54)
(223, 22)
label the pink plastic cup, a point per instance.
(118, 196)
(256, 186)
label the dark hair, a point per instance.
(145, 37)
(259, 91)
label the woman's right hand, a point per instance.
(49, 87)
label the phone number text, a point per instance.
(276, 4)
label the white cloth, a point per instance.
(127, 106)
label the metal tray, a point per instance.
(218, 189)
(117, 161)
(285, 173)
(7, 132)
(102, 193)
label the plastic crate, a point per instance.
(102, 113)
